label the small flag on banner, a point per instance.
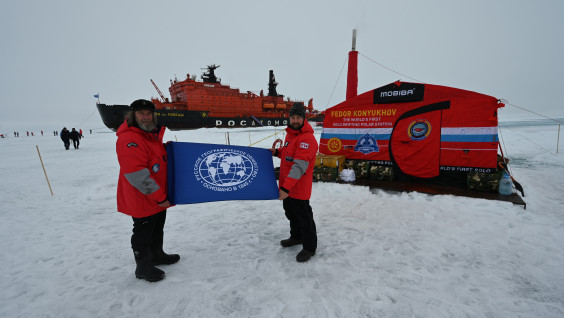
(207, 172)
(97, 96)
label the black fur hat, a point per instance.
(298, 109)
(142, 104)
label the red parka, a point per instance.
(142, 174)
(297, 160)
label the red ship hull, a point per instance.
(113, 117)
(209, 103)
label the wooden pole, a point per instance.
(558, 140)
(45, 172)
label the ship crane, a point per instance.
(159, 91)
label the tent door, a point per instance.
(415, 143)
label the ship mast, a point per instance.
(272, 85)
(352, 74)
(209, 76)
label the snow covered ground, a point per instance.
(380, 254)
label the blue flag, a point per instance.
(207, 172)
(97, 96)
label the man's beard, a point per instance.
(147, 126)
(296, 126)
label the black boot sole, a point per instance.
(150, 279)
(304, 257)
(284, 243)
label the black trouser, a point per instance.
(67, 143)
(75, 143)
(302, 225)
(148, 234)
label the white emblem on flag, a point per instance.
(225, 169)
(304, 145)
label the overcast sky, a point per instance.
(57, 54)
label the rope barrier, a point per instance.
(530, 111)
(86, 118)
(389, 69)
(276, 133)
(522, 137)
(337, 82)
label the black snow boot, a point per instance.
(290, 242)
(162, 258)
(304, 256)
(159, 257)
(145, 269)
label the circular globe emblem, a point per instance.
(226, 168)
(419, 129)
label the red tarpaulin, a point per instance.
(423, 129)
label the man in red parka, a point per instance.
(141, 191)
(296, 176)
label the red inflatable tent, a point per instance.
(425, 130)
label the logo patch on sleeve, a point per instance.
(304, 145)
(156, 167)
(132, 144)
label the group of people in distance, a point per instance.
(142, 193)
(67, 136)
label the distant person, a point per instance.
(91, 131)
(42, 133)
(75, 136)
(141, 190)
(296, 177)
(65, 137)
(27, 133)
(80, 132)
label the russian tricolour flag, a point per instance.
(207, 172)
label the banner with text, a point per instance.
(208, 172)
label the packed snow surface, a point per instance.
(380, 254)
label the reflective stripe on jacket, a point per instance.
(142, 174)
(297, 160)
